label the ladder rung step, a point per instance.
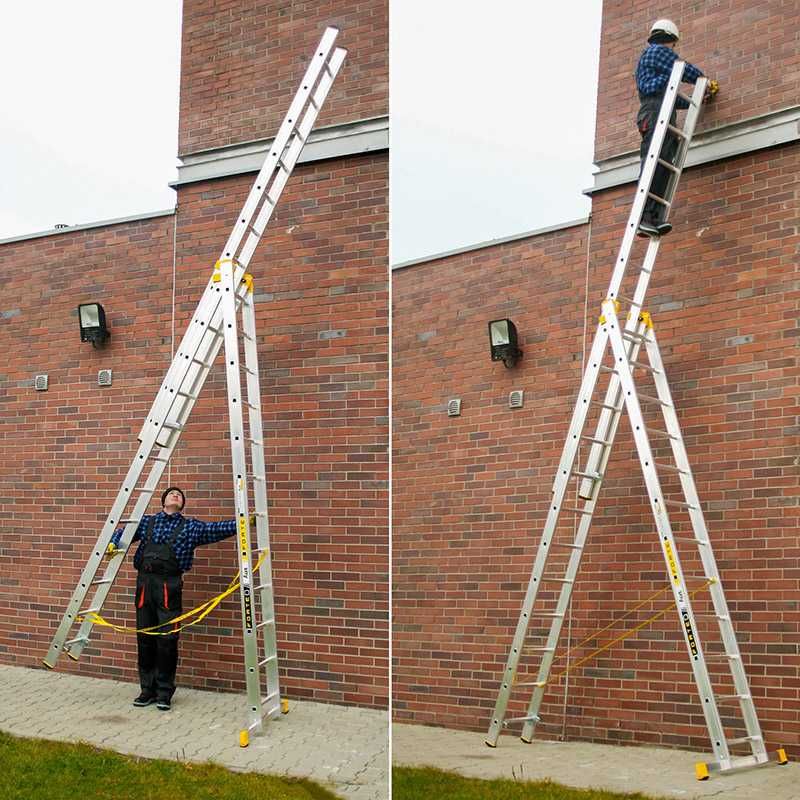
(568, 546)
(591, 475)
(687, 99)
(660, 432)
(246, 369)
(635, 337)
(556, 580)
(76, 640)
(101, 580)
(604, 368)
(690, 539)
(217, 331)
(259, 478)
(188, 395)
(626, 299)
(595, 440)
(650, 399)
(85, 611)
(267, 660)
(531, 718)
(677, 131)
(201, 362)
(711, 614)
(144, 489)
(126, 521)
(680, 504)
(270, 696)
(260, 586)
(670, 467)
(605, 405)
(532, 649)
(721, 657)
(670, 166)
(727, 698)
(266, 622)
(173, 426)
(159, 458)
(252, 405)
(254, 441)
(743, 739)
(647, 367)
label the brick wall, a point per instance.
(751, 48)
(471, 493)
(242, 61)
(321, 291)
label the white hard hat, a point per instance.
(665, 25)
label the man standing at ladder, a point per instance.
(166, 549)
(652, 75)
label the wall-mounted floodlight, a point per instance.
(92, 319)
(503, 339)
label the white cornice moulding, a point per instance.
(332, 141)
(756, 133)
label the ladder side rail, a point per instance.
(693, 115)
(127, 490)
(292, 153)
(646, 178)
(677, 582)
(264, 589)
(226, 288)
(208, 307)
(569, 452)
(582, 534)
(608, 420)
(705, 549)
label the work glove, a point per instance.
(112, 550)
(711, 91)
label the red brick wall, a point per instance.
(320, 269)
(471, 493)
(242, 62)
(751, 48)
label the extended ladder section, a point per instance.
(632, 347)
(214, 323)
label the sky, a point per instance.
(89, 119)
(492, 119)
(492, 115)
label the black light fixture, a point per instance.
(92, 319)
(503, 340)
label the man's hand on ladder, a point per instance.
(112, 550)
(711, 91)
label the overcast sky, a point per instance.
(492, 114)
(492, 119)
(89, 118)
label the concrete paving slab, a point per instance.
(656, 771)
(342, 747)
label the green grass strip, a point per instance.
(423, 783)
(37, 768)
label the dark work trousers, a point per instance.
(646, 123)
(158, 600)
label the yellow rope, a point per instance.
(202, 611)
(624, 636)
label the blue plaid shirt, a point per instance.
(654, 68)
(194, 533)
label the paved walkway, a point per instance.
(655, 771)
(341, 747)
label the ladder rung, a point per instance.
(270, 696)
(670, 166)
(144, 489)
(687, 99)
(251, 405)
(650, 399)
(645, 366)
(86, 611)
(201, 363)
(102, 580)
(159, 458)
(536, 649)
(730, 697)
(636, 337)
(570, 546)
(743, 739)
(660, 432)
(267, 660)
(671, 467)
(594, 440)
(679, 504)
(126, 521)
(690, 539)
(594, 476)
(76, 640)
(721, 657)
(188, 395)
(246, 369)
(259, 478)
(677, 131)
(254, 441)
(265, 622)
(711, 614)
(260, 586)
(532, 718)
(604, 368)
(173, 426)
(605, 405)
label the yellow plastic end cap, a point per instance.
(488, 743)
(74, 658)
(52, 666)
(782, 757)
(284, 706)
(247, 278)
(701, 771)
(244, 738)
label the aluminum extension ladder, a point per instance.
(627, 340)
(229, 291)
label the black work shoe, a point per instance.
(647, 228)
(663, 228)
(144, 699)
(163, 704)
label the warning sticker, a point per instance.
(689, 632)
(673, 566)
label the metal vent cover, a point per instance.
(454, 407)
(104, 377)
(516, 398)
(40, 383)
